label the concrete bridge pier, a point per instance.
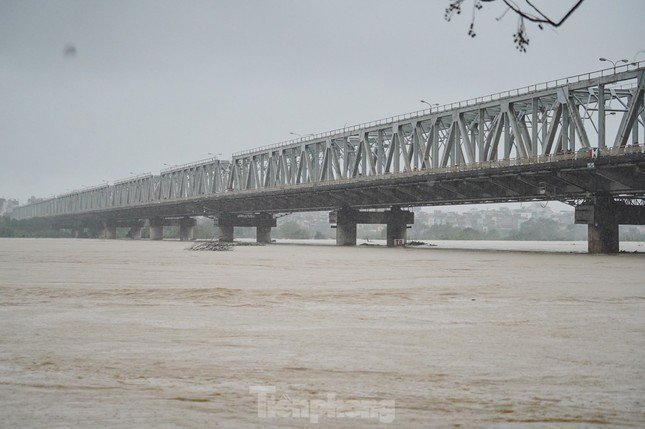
(186, 228)
(263, 222)
(93, 231)
(78, 232)
(135, 231)
(346, 226)
(108, 231)
(346, 233)
(263, 234)
(603, 237)
(397, 226)
(226, 233)
(347, 219)
(603, 216)
(156, 228)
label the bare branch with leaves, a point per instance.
(532, 14)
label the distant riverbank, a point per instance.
(508, 245)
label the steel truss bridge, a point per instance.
(577, 139)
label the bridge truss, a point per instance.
(531, 125)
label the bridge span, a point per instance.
(577, 140)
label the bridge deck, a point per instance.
(566, 179)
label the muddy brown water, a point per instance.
(147, 334)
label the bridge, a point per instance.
(574, 140)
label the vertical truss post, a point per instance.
(380, 153)
(601, 116)
(507, 135)
(630, 118)
(435, 143)
(534, 126)
(481, 128)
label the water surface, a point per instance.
(138, 333)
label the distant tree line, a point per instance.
(19, 228)
(535, 229)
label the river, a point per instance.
(139, 333)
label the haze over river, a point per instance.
(139, 333)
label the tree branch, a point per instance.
(520, 37)
(544, 19)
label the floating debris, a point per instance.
(417, 243)
(214, 246)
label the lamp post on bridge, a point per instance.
(431, 105)
(300, 135)
(634, 62)
(614, 63)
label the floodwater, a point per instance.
(148, 334)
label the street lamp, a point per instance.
(614, 63)
(300, 135)
(431, 105)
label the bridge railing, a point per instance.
(187, 165)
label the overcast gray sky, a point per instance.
(156, 82)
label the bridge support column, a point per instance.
(135, 231)
(94, 231)
(603, 215)
(603, 237)
(226, 233)
(108, 231)
(78, 232)
(263, 222)
(346, 220)
(186, 228)
(346, 226)
(397, 227)
(346, 234)
(156, 228)
(263, 234)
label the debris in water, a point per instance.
(419, 243)
(215, 246)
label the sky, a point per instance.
(95, 91)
